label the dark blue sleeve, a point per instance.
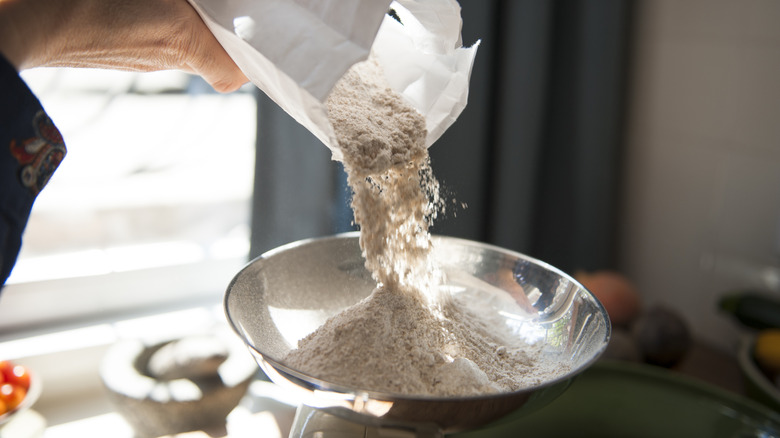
(31, 148)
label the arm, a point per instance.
(136, 35)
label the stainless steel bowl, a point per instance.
(289, 292)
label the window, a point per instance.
(150, 207)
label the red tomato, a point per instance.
(5, 370)
(3, 407)
(19, 377)
(12, 395)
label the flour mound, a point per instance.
(386, 331)
(392, 342)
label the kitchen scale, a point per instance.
(289, 292)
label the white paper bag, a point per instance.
(296, 50)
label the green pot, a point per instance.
(617, 399)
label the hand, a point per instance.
(135, 35)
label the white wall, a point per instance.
(702, 195)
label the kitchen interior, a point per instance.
(637, 138)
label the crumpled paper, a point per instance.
(296, 50)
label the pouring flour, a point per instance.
(378, 93)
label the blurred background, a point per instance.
(637, 136)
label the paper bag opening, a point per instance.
(296, 51)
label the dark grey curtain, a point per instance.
(535, 154)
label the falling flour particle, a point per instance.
(403, 338)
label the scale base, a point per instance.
(315, 423)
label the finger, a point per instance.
(225, 76)
(215, 66)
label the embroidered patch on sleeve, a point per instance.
(39, 156)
